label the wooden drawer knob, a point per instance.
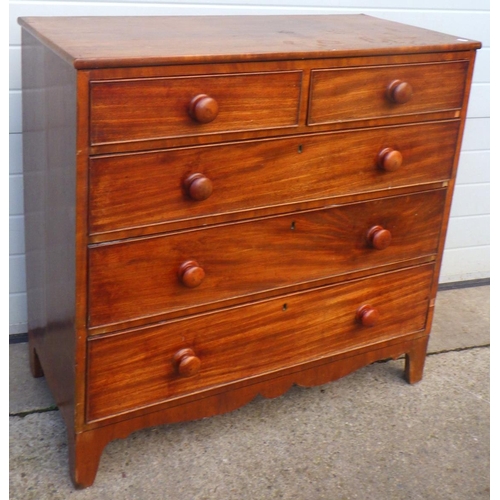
(191, 274)
(198, 187)
(186, 363)
(203, 108)
(367, 315)
(399, 92)
(378, 237)
(389, 159)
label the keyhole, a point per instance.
(299, 149)
(285, 307)
(292, 226)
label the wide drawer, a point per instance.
(154, 276)
(348, 94)
(179, 185)
(150, 365)
(155, 108)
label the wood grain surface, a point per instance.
(137, 190)
(217, 210)
(154, 108)
(136, 368)
(96, 42)
(139, 279)
(353, 94)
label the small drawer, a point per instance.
(189, 184)
(159, 108)
(202, 268)
(350, 94)
(142, 367)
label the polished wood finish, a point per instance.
(50, 164)
(379, 238)
(186, 363)
(242, 342)
(138, 279)
(191, 274)
(436, 87)
(367, 315)
(97, 42)
(135, 110)
(87, 446)
(399, 92)
(203, 108)
(198, 186)
(390, 159)
(144, 190)
(220, 210)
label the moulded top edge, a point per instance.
(106, 42)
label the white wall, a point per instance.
(467, 246)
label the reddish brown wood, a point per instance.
(138, 279)
(191, 274)
(203, 108)
(415, 360)
(436, 87)
(136, 110)
(447, 210)
(390, 159)
(399, 92)
(49, 145)
(81, 242)
(84, 451)
(201, 223)
(97, 42)
(367, 315)
(198, 186)
(89, 445)
(378, 237)
(328, 62)
(186, 363)
(143, 190)
(250, 67)
(35, 365)
(229, 342)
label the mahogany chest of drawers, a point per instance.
(218, 208)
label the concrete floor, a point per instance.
(369, 435)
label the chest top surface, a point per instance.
(103, 42)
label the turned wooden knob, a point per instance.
(399, 92)
(191, 274)
(389, 159)
(198, 187)
(203, 108)
(367, 315)
(378, 237)
(186, 363)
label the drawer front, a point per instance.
(339, 95)
(134, 190)
(143, 367)
(204, 267)
(155, 108)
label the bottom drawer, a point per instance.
(141, 367)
